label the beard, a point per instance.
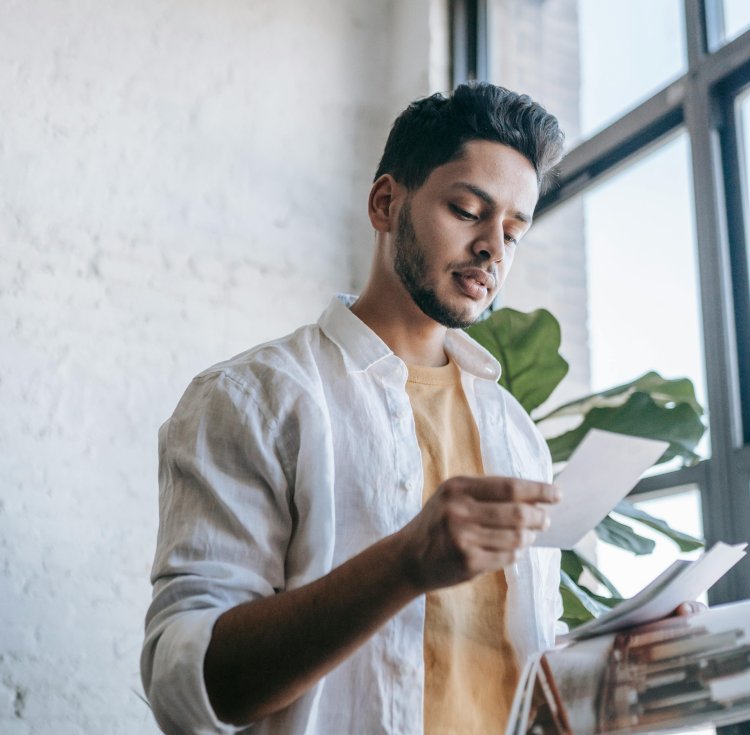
(410, 264)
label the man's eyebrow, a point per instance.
(489, 201)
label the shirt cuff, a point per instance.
(178, 693)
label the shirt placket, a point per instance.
(404, 654)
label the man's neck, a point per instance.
(410, 333)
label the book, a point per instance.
(635, 671)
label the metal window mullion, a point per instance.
(469, 40)
(725, 507)
(632, 135)
(482, 43)
(667, 481)
(736, 188)
(742, 461)
(459, 42)
(714, 15)
(696, 31)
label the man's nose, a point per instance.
(490, 245)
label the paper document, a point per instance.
(601, 472)
(684, 580)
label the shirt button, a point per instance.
(402, 413)
(410, 485)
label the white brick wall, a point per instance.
(180, 180)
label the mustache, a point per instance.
(478, 263)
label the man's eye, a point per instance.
(463, 213)
(509, 238)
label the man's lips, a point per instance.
(474, 282)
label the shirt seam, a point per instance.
(254, 397)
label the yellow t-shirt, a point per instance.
(470, 667)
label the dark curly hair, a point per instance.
(432, 131)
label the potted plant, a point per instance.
(527, 347)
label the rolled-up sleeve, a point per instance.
(225, 525)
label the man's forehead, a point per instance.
(489, 170)
(488, 154)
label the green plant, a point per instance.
(527, 347)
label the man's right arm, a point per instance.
(225, 634)
(265, 654)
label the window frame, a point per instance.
(702, 102)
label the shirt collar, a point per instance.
(362, 348)
(359, 345)
(471, 356)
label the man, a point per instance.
(346, 512)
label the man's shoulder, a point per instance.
(279, 364)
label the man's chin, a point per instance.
(450, 316)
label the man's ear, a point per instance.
(379, 206)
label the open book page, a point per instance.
(671, 675)
(519, 709)
(683, 580)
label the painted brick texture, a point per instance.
(180, 181)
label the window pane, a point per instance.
(643, 292)
(627, 52)
(643, 283)
(736, 18)
(617, 267)
(629, 573)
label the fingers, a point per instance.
(472, 525)
(505, 489)
(510, 515)
(498, 540)
(501, 502)
(689, 608)
(483, 560)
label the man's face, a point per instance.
(457, 233)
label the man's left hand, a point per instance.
(689, 608)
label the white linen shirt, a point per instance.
(282, 463)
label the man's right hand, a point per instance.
(265, 653)
(473, 525)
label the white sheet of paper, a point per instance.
(601, 472)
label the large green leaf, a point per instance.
(685, 541)
(570, 563)
(527, 347)
(640, 415)
(580, 604)
(608, 602)
(664, 392)
(619, 534)
(595, 572)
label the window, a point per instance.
(731, 18)
(628, 51)
(681, 508)
(654, 99)
(667, 130)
